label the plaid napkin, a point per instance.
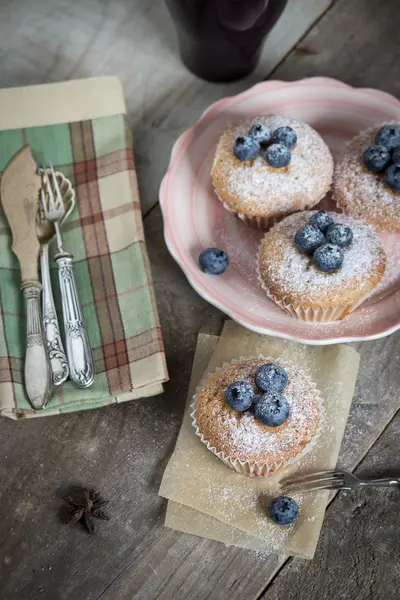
(105, 235)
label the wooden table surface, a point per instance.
(123, 450)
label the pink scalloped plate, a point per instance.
(194, 219)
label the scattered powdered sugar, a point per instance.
(291, 273)
(364, 194)
(240, 435)
(254, 187)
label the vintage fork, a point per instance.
(333, 480)
(77, 342)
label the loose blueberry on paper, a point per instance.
(246, 148)
(286, 136)
(308, 238)
(340, 235)
(271, 378)
(239, 395)
(283, 510)
(261, 133)
(272, 409)
(321, 220)
(328, 258)
(213, 261)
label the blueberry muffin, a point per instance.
(257, 415)
(320, 266)
(367, 178)
(266, 168)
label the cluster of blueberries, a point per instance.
(324, 240)
(274, 146)
(385, 155)
(270, 407)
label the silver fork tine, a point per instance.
(327, 484)
(57, 188)
(50, 194)
(311, 477)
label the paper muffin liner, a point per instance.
(309, 314)
(264, 222)
(254, 469)
(256, 222)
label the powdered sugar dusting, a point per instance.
(291, 274)
(363, 194)
(240, 435)
(254, 188)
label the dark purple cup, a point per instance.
(221, 40)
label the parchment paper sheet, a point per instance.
(212, 501)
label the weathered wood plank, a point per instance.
(358, 552)
(356, 41)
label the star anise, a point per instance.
(89, 506)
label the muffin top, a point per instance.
(255, 188)
(240, 435)
(362, 193)
(292, 276)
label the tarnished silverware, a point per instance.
(20, 185)
(45, 232)
(333, 480)
(77, 342)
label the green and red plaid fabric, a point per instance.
(105, 235)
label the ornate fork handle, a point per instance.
(37, 368)
(77, 341)
(55, 348)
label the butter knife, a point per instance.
(19, 193)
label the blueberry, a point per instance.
(396, 156)
(286, 136)
(328, 258)
(392, 177)
(261, 133)
(340, 235)
(376, 158)
(239, 395)
(388, 136)
(271, 378)
(308, 238)
(283, 510)
(321, 220)
(278, 155)
(272, 409)
(246, 148)
(213, 261)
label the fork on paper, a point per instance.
(333, 480)
(77, 342)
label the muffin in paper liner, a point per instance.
(318, 314)
(249, 468)
(310, 314)
(260, 194)
(361, 193)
